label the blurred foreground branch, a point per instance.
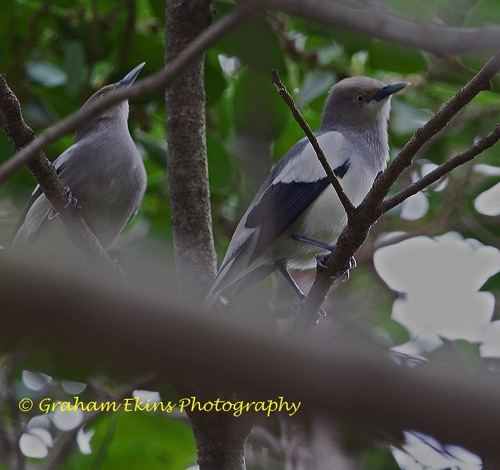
(372, 19)
(345, 380)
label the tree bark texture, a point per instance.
(220, 442)
(194, 250)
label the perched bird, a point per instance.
(103, 173)
(296, 213)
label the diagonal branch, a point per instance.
(287, 98)
(480, 146)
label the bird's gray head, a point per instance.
(359, 102)
(116, 113)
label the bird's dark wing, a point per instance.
(279, 207)
(282, 204)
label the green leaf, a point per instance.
(140, 440)
(351, 41)
(218, 165)
(156, 149)
(146, 48)
(215, 83)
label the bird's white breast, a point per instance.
(325, 218)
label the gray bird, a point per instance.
(103, 172)
(296, 214)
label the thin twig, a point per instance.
(480, 146)
(287, 98)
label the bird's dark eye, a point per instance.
(359, 98)
(102, 95)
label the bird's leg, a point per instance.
(322, 259)
(298, 305)
(310, 241)
(282, 269)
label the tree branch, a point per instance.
(220, 438)
(287, 98)
(376, 23)
(333, 377)
(480, 146)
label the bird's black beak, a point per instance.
(389, 90)
(126, 81)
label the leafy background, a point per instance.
(56, 53)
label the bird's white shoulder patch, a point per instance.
(305, 166)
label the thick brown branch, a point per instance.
(287, 98)
(480, 146)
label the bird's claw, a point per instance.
(71, 201)
(322, 259)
